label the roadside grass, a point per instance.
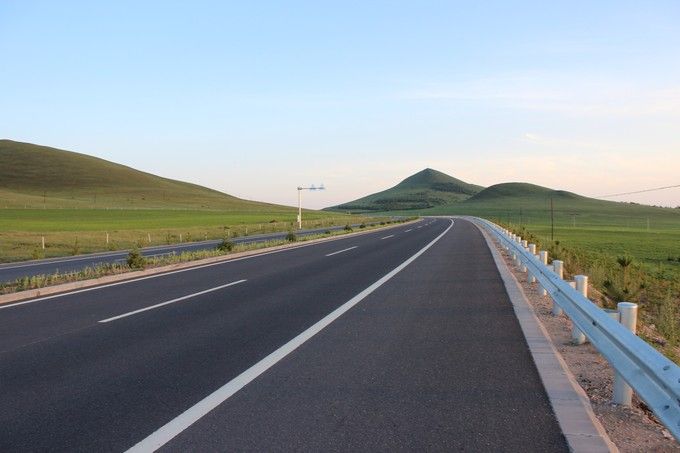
(623, 265)
(73, 231)
(135, 263)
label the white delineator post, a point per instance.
(623, 393)
(299, 217)
(558, 266)
(543, 259)
(581, 281)
(530, 276)
(43, 242)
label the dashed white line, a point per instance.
(188, 296)
(387, 237)
(410, 229)
(343, 250)
(180, 423)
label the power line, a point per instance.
(638, 191)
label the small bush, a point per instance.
(327, 232)
(135, 259)
(348, 228)
(291, 237)
(225, 246)
(37, 253)
(363, 225)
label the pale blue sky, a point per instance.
(255, 98)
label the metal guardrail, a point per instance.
(654, 377)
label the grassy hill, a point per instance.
(80, 203)
(425, 189)
(33, 176)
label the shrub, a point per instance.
(348, 228)
(135, 259)
(37, 253)
(225, 246)
(327, 232)
(291, 237)
(363, 225)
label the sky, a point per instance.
(257, 98)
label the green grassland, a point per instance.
(74, 231)
(74, 200)
(33, 176)
(648, 233)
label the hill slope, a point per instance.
(425, 189)
(40, 176)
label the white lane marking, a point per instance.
(179, 299)
(189, 269)
(343, 250)
(410, 229)
(420, 226)
(387, 237)
(167, 432)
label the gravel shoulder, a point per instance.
(632, 429)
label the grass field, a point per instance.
(82, 204)
(73, 231)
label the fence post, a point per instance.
(577, 337)
(558, 266)
(623, 394)
(532, 250)
(543, 259)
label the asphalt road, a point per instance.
(12, 271)
(375, 342)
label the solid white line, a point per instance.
(410, 229)
(343, 250)
(189, 296)
(167, 432)
(387, 237)
(189, 269)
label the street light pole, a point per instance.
(299, 190)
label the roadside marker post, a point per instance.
(577, 337)
(627, 315)
(558, 267)
(543, 258)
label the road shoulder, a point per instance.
(576, 418)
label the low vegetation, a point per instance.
(136, 261)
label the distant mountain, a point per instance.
(425, 189)
(522, 190)
(37, 176)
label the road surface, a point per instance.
(12, 271)
(388, 341)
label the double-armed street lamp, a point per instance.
(300, 189)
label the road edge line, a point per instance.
(64, 289)
(176, 426)
(573, 411)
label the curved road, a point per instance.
(389, 341)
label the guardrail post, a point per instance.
(530, 276)
(543, 259)
(558, 266)
(577, 337)
(623, 393)
(525, 243)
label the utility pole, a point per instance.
(300, 189)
